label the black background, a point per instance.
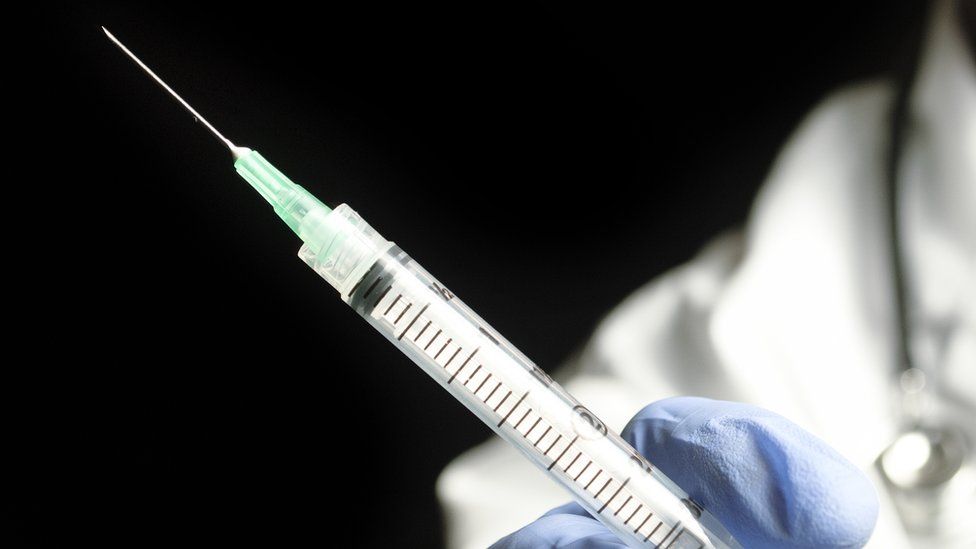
(182, 376)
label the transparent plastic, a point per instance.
(508, 391)
(298, 208)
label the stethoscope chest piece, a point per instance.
(925, 470)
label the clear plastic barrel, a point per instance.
(512, 395)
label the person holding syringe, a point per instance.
(720, 474)
(848, 305)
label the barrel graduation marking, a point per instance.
(480, 378)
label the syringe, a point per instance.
(473, 362)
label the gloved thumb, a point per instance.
(771, 483)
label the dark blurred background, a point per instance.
(182, 376)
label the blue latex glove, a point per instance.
(771, 483)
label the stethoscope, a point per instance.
(928, 454)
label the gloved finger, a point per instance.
(771, 483)
(568, 531)
(571, 508)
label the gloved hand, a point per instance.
(771, 483)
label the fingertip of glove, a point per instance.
(654, 423)
(564, 531)
(770, 482)
(571, 508)
(792, 489)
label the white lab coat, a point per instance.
(795, 313)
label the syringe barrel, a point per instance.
(512, 395)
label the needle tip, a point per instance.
(112, 37)
(235, 150)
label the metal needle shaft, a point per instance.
(234, 149)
